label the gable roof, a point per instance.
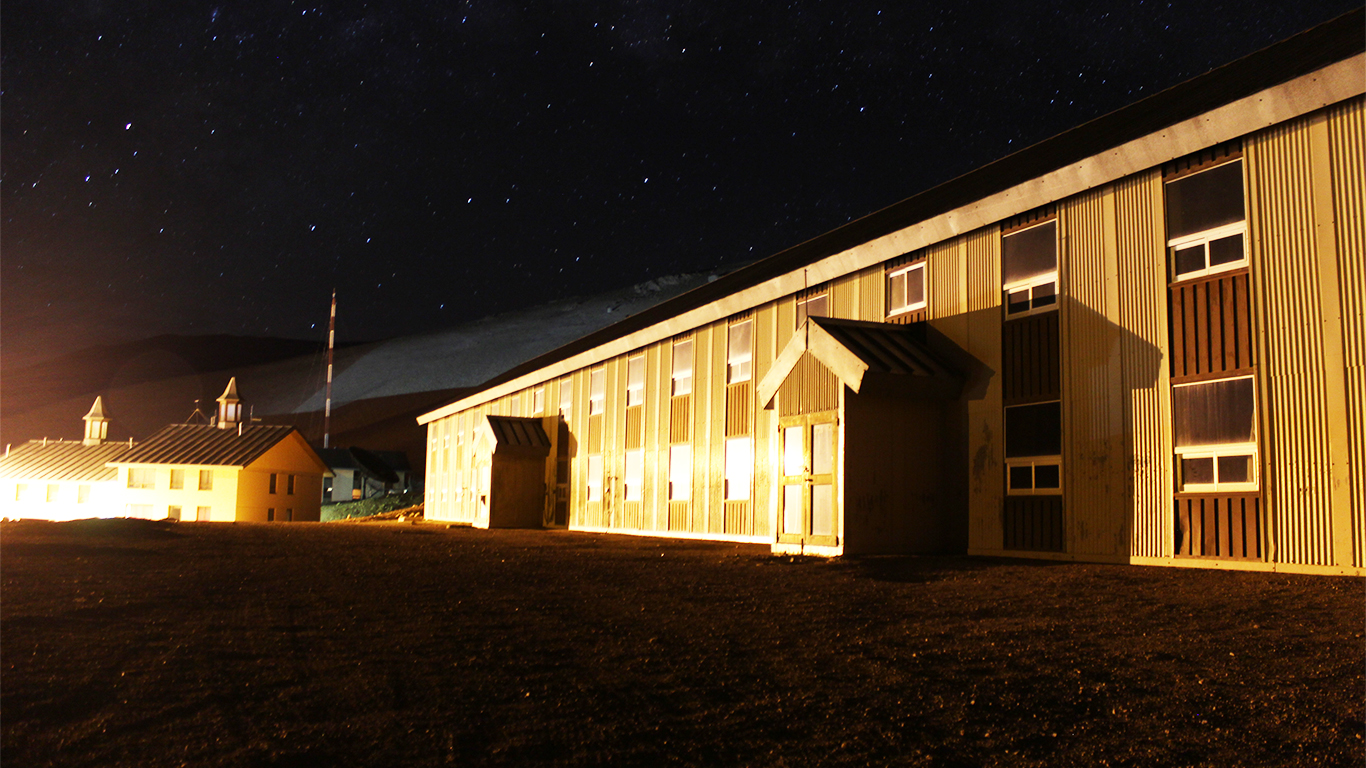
(1299, 56)
(206, 445)
(61, 460)
(851, 349)
(382, 465)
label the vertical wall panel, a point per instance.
(1295, 412)
(844, 297)
(1347, 141)
(872, 295)
(986, 446)
(1095, 480)
(1143, 288)
(716, 421)
(765, 425)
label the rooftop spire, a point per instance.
(229, 406)
(96, 424)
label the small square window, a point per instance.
(812, 306)
(177, 479)
(173, 513)
(538, 402)
(206, 479)
(906, 289)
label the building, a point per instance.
(225, 471)
(361, 474)
(63, 479)
(1141, 341)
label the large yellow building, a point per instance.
(1141, 341)
(225, 471)
(63, 479)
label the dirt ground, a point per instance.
(145, 643)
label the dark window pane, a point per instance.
(1235, 469)
(1045, 295)
(1047, 476)
(1034, 430)
(897, 292)
(915, 287)
(1205, 200)
(1028, 253)
(1197, 470)
(1190, 259)
(1017, 301)
(1213, 413)
(1226, 250)
(1021, 478)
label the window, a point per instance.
(20, 491)
(270, 515)
(515, 405)
(1029, 269)
(1215, 434)
(595, 477)
(1034, 448)
(51, 493)
(680, 472)
(173, 513)
(597, 391)
(273, 483)
(538, 402)
(812, 306)
(289, 485)
(206, 479)
(289, 515)
(635, 380)
(177, 479)
(1206, 224)
(635, 475)
(566, 397)
(141, 477)
(682, 368)
(906, 289)
(203, 514)
(740, 352)
(82, 494)
(739, 468)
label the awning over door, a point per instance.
(860, 354)
(515, 436)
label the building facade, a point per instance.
(1142, 341)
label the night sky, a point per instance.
(218, 168)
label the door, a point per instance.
(808, 511)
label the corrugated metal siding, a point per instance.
(947, 281)
(739, 408)
(1033, 523)
(1143, 287)
(872, 295)
(1095, 480)
(1295, 411)
(765, 426)
(1212, 326)
(810, 388)
(986, 447)
(1219, 525)
(1347, 138)
(1031, 366)
(844, 297)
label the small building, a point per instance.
(358, 473)
(224, 471)
(63, 479)
(1139, 341)
(510, 472)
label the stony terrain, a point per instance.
(149, 644)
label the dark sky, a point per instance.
(218, 168)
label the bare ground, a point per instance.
(141, 643)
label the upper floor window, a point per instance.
(812, 306)
(273, 480)
(177, 479)
(538, 401)
(906, 288)
(141, 477)
(1214, 426)
(515, 405)
(635, 380)
(1029, 269)
(597, 391)
(740, 352)
(566, 397)
(1206, 223)
(206, 479)
(682, 368)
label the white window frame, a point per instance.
(633, 485)
(804, 307)
(1037, 281)
(597, 391)
(595, 477)
(1034, 462)
(515, 405)
(680, 472)
(739, 468)
(635, 384)
(566, 397)
(1204, 239)
(146, 478)
(681, 375)
(1221, 450)
(538, 401)
(905, 273)
(739, 361)
(206, 475)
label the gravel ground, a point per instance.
(143, 643)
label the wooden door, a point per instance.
(808, 506)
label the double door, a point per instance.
(809, 507)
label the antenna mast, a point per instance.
(331, 343)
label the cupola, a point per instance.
(229, 407)
(96, 424)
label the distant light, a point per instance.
(127, 126)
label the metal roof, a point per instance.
(883, 347)
(518, 432)
(61, 460)
(206, 445)
(1328, 43)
